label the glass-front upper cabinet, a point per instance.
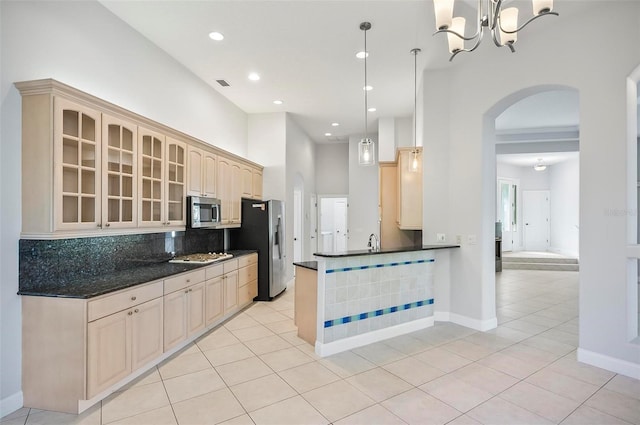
(175, 182)
(151, 177)
(76, 166)
(119, 150)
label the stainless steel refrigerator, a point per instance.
(263, 229)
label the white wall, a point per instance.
(332, 169)
(565, 211)
(300, 158)
(530, 179)
(84, 45)
(363, 198)
(267, 145)
(471, 174)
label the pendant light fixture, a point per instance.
(501, 22)
(366, 148)
(415, 162)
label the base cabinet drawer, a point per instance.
(247, 293)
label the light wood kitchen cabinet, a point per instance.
(202, 173)
(101, 343)
(256, 175)
(161, 165)
(247, 279)
(184, 310)
(251, 182)
(409, 192)
(236, 194)
(91, 168)
(214, 294)
(119, 177)
(121, 343)
(224, 189)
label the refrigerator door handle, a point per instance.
(278, 241)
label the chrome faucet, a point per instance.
(374, 246)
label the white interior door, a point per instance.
(340, 221)
(297, 226)
(535, 210)
(507, 212)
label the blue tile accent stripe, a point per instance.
(374, 313)
(375, 266)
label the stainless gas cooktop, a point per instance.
(210, 257)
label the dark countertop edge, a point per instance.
(382, 251)
(56, 292)
(311, 265)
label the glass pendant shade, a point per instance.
(366, 152)
(508, 22)
(540, 6)
(455, 42)
(444, 13)
(415, 161)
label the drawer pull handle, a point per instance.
(186, 291)
(136, 310)
(190, 289)
(188, 280)
(133, 298)
(130, 313)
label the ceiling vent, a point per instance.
(223, 83)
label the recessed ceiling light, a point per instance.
(278, 102)
(327, 134)
(217, 36)
(362, 55)
(367, 88)
(372, 109)
(334, 124)
(254, 76)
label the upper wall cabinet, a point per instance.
(202, 173)
(409, 206)
(119, 172)
(90, 167)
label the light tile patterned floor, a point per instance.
(255, 370)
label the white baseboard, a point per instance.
(468, 322)
(11, 404)
(345, 344)
(623, 367)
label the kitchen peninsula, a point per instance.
(363, 296)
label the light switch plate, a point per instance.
(440, 237)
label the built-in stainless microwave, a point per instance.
(203, 212)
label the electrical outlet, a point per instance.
(440, 237)
(472, 239)
(459, 239)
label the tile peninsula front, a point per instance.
(365, 296)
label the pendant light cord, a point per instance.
(366, 104)
(415, 98)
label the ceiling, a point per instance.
(530, 159)
(304, 51)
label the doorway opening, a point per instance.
(537, 180)
(333, 230)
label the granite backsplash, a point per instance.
(67, 260)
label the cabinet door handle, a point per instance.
(99, 226)
(133, 298)
(136, 310)
(190, 289)
(108, 224)
(130, 313)
(188, 280)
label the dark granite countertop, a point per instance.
(354, 253)
(92, 286)
(311, 265)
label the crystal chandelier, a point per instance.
(502, 22)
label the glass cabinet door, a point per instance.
(119, 173)
(77, 166)
(176, 190)
(151, 173)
